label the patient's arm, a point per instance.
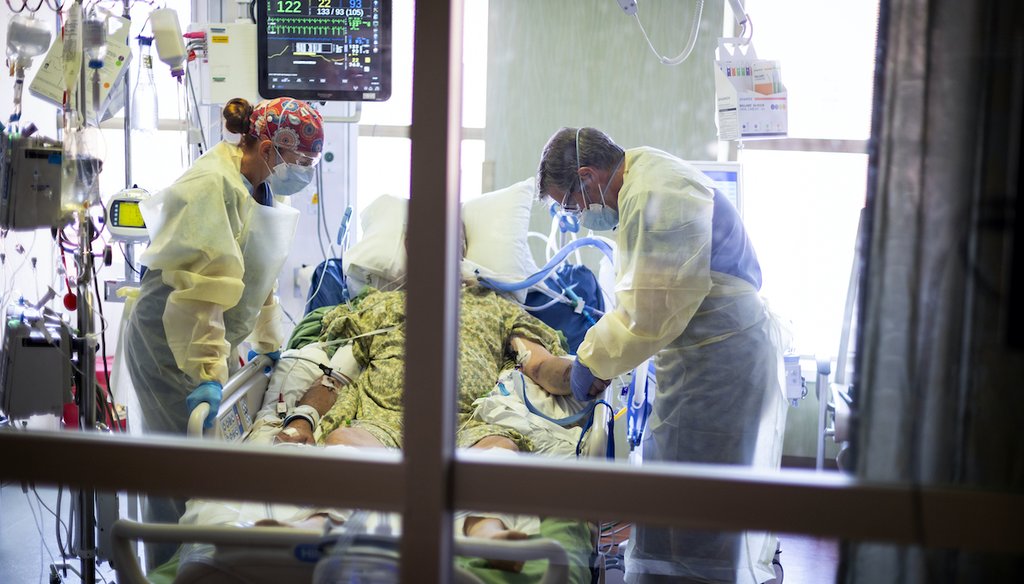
(547, 370)
(321, 395)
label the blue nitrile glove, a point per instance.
(274, 356)
(580, 381)
(209, 392)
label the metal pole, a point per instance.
(127, 109)
(86, 389)
(86, 392)
(129, 249)
(822, 386)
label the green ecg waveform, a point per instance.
(303, 29)
(316, 26)
(300, 20)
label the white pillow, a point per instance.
(497, 224)
(378, 258)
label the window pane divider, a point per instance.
(808, 145)
(712, 497)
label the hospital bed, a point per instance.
(269, 554)
(565, 549)
(561, 553)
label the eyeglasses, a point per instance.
(568, 204)
(296, 157)
(304, 160)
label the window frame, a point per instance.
(429, 481)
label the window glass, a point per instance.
(166, 146)
(396, 111)
(801, 210)
(383, 168)
(472, 169)
(474, 64)
(827, 54)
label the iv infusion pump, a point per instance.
(35, 367)
(30, 181)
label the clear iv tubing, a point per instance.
(689, 45)
(330, 568)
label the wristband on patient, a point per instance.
(304, 412)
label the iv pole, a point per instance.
(129, 250)
(85, 374)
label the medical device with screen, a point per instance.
(124, 218)
(324, 50)
(728, 177)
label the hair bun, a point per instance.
(236, 115)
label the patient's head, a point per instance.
(462, 238)
(466, 271)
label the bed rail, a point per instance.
(124, 532)
(231, 394)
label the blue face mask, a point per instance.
(287, 178)
(597, 216)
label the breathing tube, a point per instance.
(587, 413)
(549, 267)
(567, 222)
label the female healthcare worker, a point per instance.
(218, 241)
(686, 292)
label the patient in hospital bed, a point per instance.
(495, 336)
(504, 353)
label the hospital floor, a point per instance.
(25, 558)
(805, 560)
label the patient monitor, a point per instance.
(324, 50)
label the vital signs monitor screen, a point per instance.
(325, 50)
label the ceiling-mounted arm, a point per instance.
(628, 6)
(737, 11)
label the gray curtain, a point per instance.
(938, 390)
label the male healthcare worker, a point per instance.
(686, 292)
(219, 240)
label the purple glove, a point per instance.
(580, 381)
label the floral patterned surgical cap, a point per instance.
(288, 123)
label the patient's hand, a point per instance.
(547, 370)
(298, 432)
(493, 528)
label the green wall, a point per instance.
(584, 62)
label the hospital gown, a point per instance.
(374, 403)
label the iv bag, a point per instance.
(83, 160)
(27, 37)
(72, 47)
